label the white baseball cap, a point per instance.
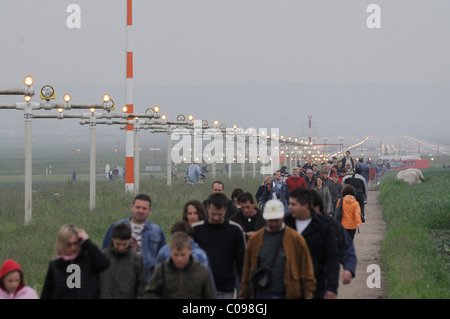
(273, 209)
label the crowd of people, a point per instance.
(287, 239)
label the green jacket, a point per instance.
(125, 276)
(192, 282)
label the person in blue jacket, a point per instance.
(147, 237)
(364, 169)
(193, 172)
(276, 189)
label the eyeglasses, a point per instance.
(74, 243)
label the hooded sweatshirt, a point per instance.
(351, 212)
(23, 291)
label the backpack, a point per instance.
(356, 183)
(338, 212)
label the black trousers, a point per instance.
(360, 199)
(351, 232)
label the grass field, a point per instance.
(416, 247)
(57, 201)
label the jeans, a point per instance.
(333, 208)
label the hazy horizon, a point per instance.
(258, 64)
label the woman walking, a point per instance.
(350, 212)
(75, 270)
(325, 192)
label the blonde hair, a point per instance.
(64, 234)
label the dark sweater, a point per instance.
(335, 191)
(225, 246)
(249, 224)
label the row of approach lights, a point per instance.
(48, 93)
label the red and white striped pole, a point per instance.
(129, 137)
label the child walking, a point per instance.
(12, 284)
(182, 276)
(125, 277)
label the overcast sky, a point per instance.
(255, 63)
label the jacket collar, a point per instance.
(314, 221)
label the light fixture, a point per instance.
(28, 80)
(156, 109)
(181, 118)
(60, 109)
(92, 109)
(190, 117)
(47, 92)
(164, 117)
(106, 97)
(216, 122)
(67, 98)
(29, 91)
(108, 104)
(205, 123)
(124, 109)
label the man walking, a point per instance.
(364, 169)
(193, 172)
(276, 189)
(249, 217)
(218, 187)
(310, 178)
(295, 180)
(285, 253)
(347, 159)
(321, 239)
(147, 238)
(224, 243)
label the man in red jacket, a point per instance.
(295, 180)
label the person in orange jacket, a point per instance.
(351, 212)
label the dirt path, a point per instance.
(368, 248)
